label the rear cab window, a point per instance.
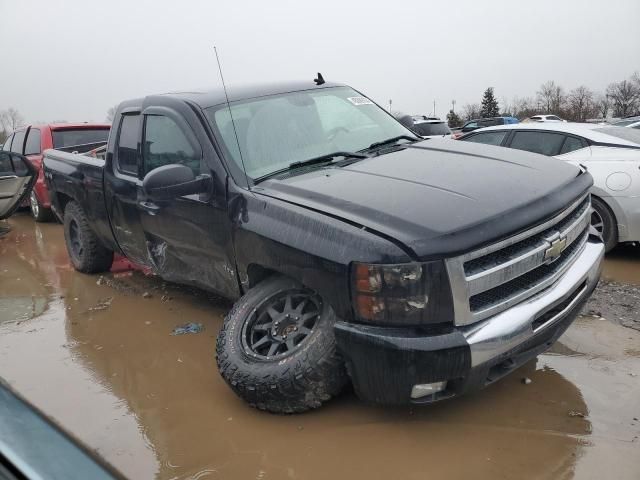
(79, 136)
(32, 147)
(545, 143)
(128, 147)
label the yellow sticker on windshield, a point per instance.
(360, 101)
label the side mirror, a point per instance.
(172, 181)
(17, 177)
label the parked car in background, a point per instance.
(32, 140)
(278, 198)
(630, 122)
(545, 118)
(611, 154)
(424, 126)
(477, 123)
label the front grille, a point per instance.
(524, 282)
(496, 277)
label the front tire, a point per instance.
(38, 212)
(277, 349)
(604, 221)
(86, 252)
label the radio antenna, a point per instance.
(233, 124)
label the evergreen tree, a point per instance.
(489, 104)
(453, 119)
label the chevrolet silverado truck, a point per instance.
(417, 270)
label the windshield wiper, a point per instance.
(312, 161)
(325, 158)
(392, 140)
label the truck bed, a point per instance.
(80, 177)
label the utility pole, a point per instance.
(389, 105)
(434, 108)
(453, 106)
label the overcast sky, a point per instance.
(72, 60)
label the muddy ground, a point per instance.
(97, 355)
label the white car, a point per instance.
(631, 122)
(610, 154)
(546, 118)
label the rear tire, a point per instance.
(270, 371)
(38, 212)
(604, 221)
(86, 252)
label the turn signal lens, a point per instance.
(368, 278)
(370, 308)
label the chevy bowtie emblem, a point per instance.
(552, 253)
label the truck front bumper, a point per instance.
(385, 364)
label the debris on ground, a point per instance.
(146, 295)
(573, 413)
(526, 380)
(101, 305)
(616, 302)
(100, 280)
(188, 328)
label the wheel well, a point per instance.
(257, 273)
(613, 214)
(63, 199)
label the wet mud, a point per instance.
(97, 354)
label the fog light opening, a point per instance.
(425, 389)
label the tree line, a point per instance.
(10, 119)
(619, 99)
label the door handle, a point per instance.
(149, 207)
(8, 177)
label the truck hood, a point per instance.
(438, 198)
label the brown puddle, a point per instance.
(99, 358)
(623, 265)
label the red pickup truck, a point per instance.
(32, 140)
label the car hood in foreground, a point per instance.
(438, 197)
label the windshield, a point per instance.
(279, 130)
(426, 129)
(629, 134)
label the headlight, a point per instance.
(402, 294)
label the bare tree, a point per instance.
(111, 113)
(14, 118)
(602, 105)
(11, 119)
(625, 97)
(580, 104)
(551, 97)
(471, 111)
(524, 107)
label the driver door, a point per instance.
(17, 177)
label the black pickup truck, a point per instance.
(355, 251)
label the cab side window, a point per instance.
(33, 142)
(7, 144)
(18, 141)
(165, 143)
(571, 144)
(538, 142)
(488, 138)
(127, 151)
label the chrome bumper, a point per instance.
(503, 332)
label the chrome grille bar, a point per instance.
(492, 279)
